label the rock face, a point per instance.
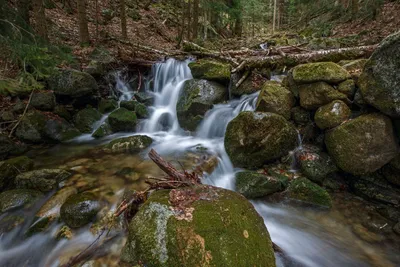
(44, 180)
(332, 115)
(211, 70)
(79, 210)
(18, 198)
(132, 144)
(85, 119)
(314, 95)
(380, 80)
(276, 99)
(254, 138)
(122, 120)
(205, 231)
(362, 145)
(9, 169)
(304, 190)
(196, 98)
(44, 100)
(319, 72)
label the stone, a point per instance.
(246, 88)
(211, 70)
(10, 168)
(107, 105)
(7, 116)
(132, 144)
(300, 115)
(32, 127)
(205, 229)
(139, 108)
(276, 99)
(379, 82)
(195, 99)
(302, 189)
(328, 72)
(355, 67)
(348, 88)
(391, 171)
(144, 98)
(80, 209)
(44, 180)
(9, 148)
(122, 120)
(103, 130)
(43, 100)
(85, 119)
(59, 130)
(314, 95)
(18, 198)
(332, 115)
(62, 112)
(362, 145)
(396, 228)
(254, 138)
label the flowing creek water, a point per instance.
(308, 237)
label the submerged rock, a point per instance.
(319, 72)
(85, 119)
(10, 168)
(44, 180)
(332, 115)
(362, 145)
(132, 144)
(122, 120)
(380, 80)
(306, 191)
(79, 210)
(276, 99)
(44, 100)
(204, 230)
(314, 95)
(211, 70)
(254, 138)
(18, 198)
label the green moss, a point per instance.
(316, 166)
(348, 88)
(14, 199)
(314, 95)
(132, 144)
(306, 191)
(321, 71)
(72, 83)
(102, 131)
(300, 116)
(107, 105)
(122, 120)
(32, 127)
(332, 115)
(211, 70)
(85, 119)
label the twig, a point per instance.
(244, 77)
(23, 114)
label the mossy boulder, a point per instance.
(44, 180)
(122, 120)
(319, 72)
(10, 168)
(7, 115)
(354, 67)
(144, 98)
(211, 70)
(195, 99)
(85, 119)
(59, 130)
(18, 198)
(107, 105)
(73, 84)
(300, 115)
(62, 112)
(362, 145)
(32, 127)
(246, 88)
(302, 189)
(252, 184)
(10, 148)
(254, 138)
(391, 171)
(103, 130)
(132, 144)
(314, 95)
(80, 209)
(139, 108)
(380, 80)
(332, 115)
(348, 88)
(206, 229)
(276, 99)
(44, 100)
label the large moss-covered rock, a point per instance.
(304, 190)
(132, 144)
(211, 70)
(44, 180)
(314, 95)
(122, 120)
(79, 210)
(85, 119)
(107, 105)
(139, 108)
(196, 98)
(332, 114)
(59, 130)
(348, 88)
(103, 130)
(276, 99)
(206, 229)
(254, 138)
(73, 83)
(18, 198)
(10, 168)
(380, 80)
(362, 145)
(32, 127)
(253, 184)
(319, 72)
(44, 100)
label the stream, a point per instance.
(308, 237)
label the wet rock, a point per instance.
(211, 70)
(359, 100)
(315, 164)
(391, 171)
(44, 180)
(32, 127)
(132, 144)
(44, 100)
(196, 98)
(380, 79)
(9, 222)
(253, 184)
(107, 105)
(362, 145)
(254, 138)
(122, 120)
(332, 115)
(79, 210)
(18, 198)
(59, 130)
(144, 98)
(396, 228)
(304, 190)
(366, 235)
(9, 147)
(300, 116)
(64, 233)
(314, 95)
(205, 231)
(85, 119)
(276, 99)
(103, 130)
(10, 168)
(319, 72)
(139, 108)
(348, 88)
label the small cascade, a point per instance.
(294, 154)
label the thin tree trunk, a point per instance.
(82, 21)
(195, 22)
(123, 19)
(40, 18)
(23, 10)
(189, 19)
(274, 17)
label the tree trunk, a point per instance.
(195, 22)
(23, 10)
(274, 17)
(189, 19)
(82, 21)
(40, 18)
(123, 19)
